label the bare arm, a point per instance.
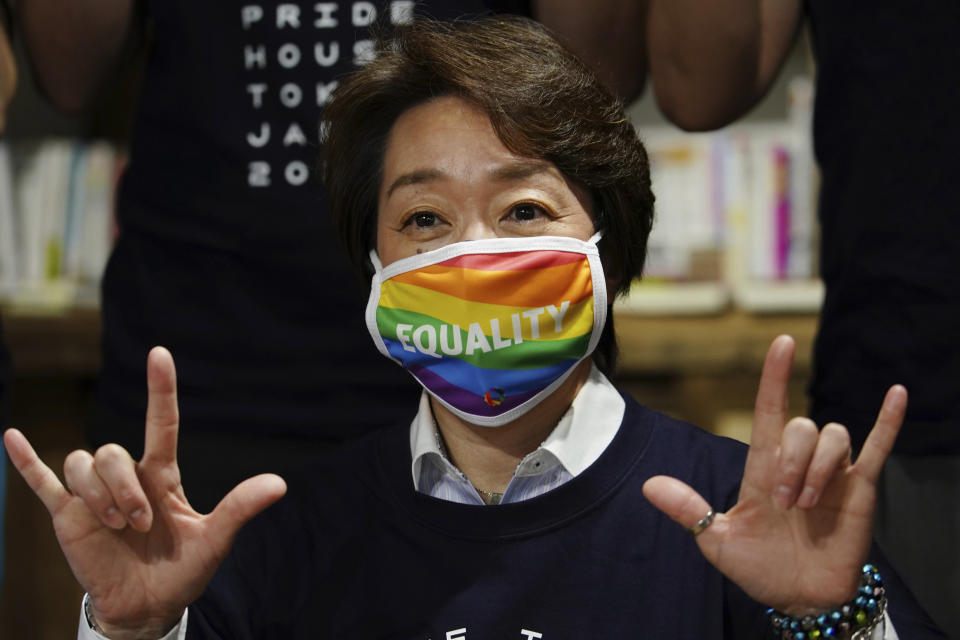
(75, 45)
(606, 34)
(710, 62)
(8, 73)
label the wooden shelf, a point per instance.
(69, 343)
(703, 369)
(708, 345)
(65, 344)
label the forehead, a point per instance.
(451, 139)
(442, 111)
(437, 131)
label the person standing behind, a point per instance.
(885, 136)
(8, 85)
(8, 67)
(225, 252)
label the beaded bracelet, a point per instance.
(854, 620)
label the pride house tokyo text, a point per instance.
(304, 37)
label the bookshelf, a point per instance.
(56, 359)
(64, 344)
(735, 341)
(705, 369)
(659, 354)
(69, 343)
(702, 368)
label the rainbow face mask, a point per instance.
(490, 327)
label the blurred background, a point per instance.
(732, 264)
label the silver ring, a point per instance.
(702, 524)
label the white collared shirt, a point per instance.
(582, 434)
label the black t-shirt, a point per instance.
(590, 559)
(886, 134)
(226, 254)
(6, 370)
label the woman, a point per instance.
(494, 192)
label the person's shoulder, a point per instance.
(328, 494)
(685, 451)
(670, 431)
(350, 467)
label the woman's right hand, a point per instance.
(129, 534)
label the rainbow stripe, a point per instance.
(500, 327)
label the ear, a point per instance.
(612, 269)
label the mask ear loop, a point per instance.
(375, 259)
(370, 314)
(595, 238)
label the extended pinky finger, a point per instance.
(38, 476)
(879, 443)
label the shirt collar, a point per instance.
(588, 426)
(582, 434)
(424, 443)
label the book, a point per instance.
(57, 229)
(735, 217)
(9, 274)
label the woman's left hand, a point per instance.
(802, 526)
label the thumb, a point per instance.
(677, 500)
(246, 500)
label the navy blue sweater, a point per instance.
(355, 552)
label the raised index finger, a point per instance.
(163, 416)
(770, 410)
(39, 477)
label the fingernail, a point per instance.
(782, 497)
(138, 518)
(808, 498)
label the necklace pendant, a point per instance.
(490, 497)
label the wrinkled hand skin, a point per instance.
(126, 528)
(803, 522)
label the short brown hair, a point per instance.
(542, 102)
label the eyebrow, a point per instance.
(507, 173)
(520, 170)
(418, 176)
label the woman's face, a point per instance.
(448, 178)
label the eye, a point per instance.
(422, 219)
(527, 212)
